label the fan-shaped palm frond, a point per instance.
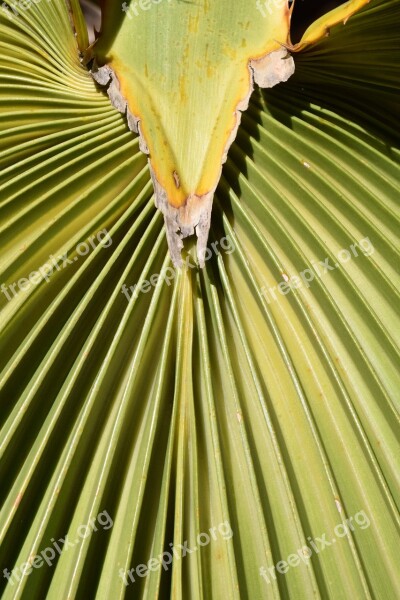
(254, 401)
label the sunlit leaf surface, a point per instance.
(211, 397)
(183, 67)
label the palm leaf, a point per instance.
(205, 400)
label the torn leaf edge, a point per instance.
(195, 215)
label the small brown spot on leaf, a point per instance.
(18, 500)
(176, 179)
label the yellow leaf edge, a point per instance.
(320, 28)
